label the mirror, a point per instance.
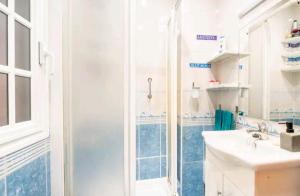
(272, 68)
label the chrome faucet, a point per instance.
(261, 133)
(262, 128)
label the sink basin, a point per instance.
(238, 147)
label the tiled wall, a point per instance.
(190, 158)
(151, 151)
(291, 116)
(32, 179)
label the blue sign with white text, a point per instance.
(207, 37)
(200, 65)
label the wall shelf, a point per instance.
(291, 54)
(226, 55)
(227, 87)
(292, 40)
(291, 68)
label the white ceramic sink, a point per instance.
(238, 147)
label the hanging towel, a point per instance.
(227, 121)
(218, 120)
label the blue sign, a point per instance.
(207, 37)
(200, 65)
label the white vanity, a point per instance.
(236, 164)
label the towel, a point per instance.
(227, 121)
(218, 120)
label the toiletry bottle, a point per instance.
(295, 28)
(290, 140)
(289, 127)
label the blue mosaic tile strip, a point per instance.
(200, 65)
(207, 37)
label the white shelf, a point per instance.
(225, 87)
(292, 40)
(291, 68)
(291, 54)
(226, 55)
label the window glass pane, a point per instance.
(22, 50)
(3, 99)
(22, 7)
(3, 2)
(23, 99)
(3, 39)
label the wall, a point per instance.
(150, 38)
(150, 55)
(194, 114)
(197, 114)
(194, 15)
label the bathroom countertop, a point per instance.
(239, 147)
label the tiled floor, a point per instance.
(156, 187)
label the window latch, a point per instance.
(44, 54)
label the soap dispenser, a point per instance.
(289, 140)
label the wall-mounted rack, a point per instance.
(292, 40)
(226, 55)
(291, 68)
(224, 87)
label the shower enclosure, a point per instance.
(154, 34)
(120, 96)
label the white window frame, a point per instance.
(18, 135)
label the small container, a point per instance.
(290, 140)
(295, 29)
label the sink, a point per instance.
(238, 147)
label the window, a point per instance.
(24, 92)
